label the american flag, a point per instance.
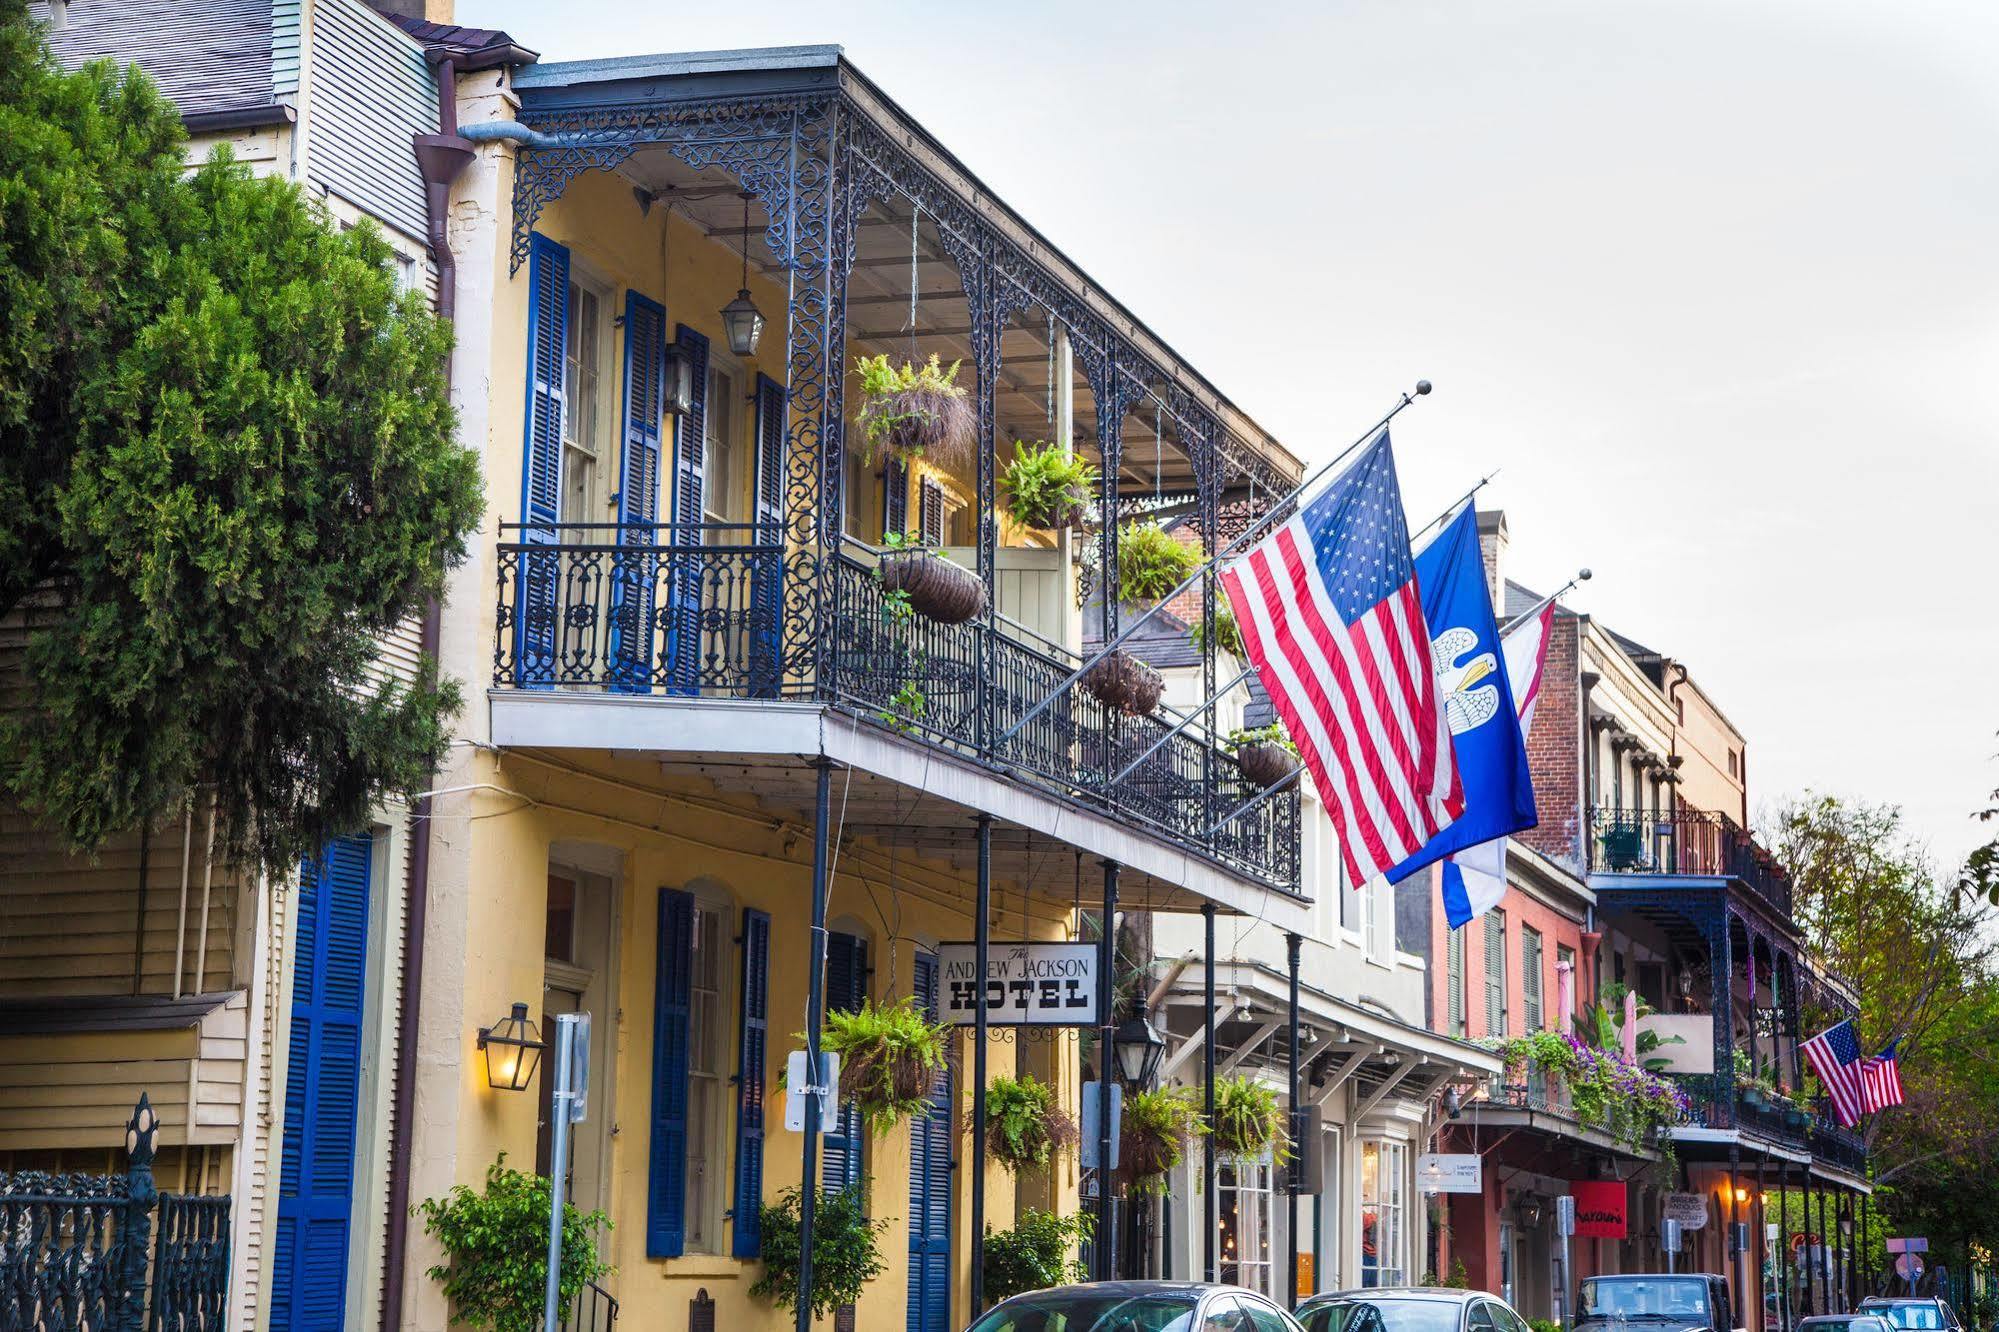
(1333, 623)
(1881, 1080)
(1835, 1056)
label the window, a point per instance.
(725, 487)
(1454, 981)
(1565, 960)
(1243, 1197)
(582, 423)
(1530, 977)
(559, 926)
(1262, 1318)
(707, 1080)
(1734, 763)
(1370, 914)
(1382, 1167)
(1495, 973)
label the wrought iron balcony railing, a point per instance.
(724, 611)
(1694, 842)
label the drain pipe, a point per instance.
(512, 131)
(440, 158)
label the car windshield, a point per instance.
(1645, 1297)
(1091, 1311)
(1859, 1323)
(1925, 1317)
(1388, 1314)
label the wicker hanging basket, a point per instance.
(938, 589)
(925, 423)
(1124, 682)
(1266, 763)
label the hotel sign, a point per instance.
(1027, 984)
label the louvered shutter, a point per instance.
(1454, 979)
(683, 633)
(535, 600)
(752, 1041)
(1495, 973)
(929, 1306)
(846, 988)
(1530, 977)
(767, 591)
(631, 645)
(666, 1176)
(930, 512)
(322, 1090)
(895, 495)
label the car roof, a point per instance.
(1440, 1294)
(1128, 1289)
(1885, 1301)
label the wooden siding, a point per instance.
(370, 92)
(77, 1090)
(286, 25)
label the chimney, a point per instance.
(437, 11)
(1492, 549)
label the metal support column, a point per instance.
(1104, 1244)
(982, 941)
(1825, 1254)
(1210, 1208)
(1866, 1251)
(1292, 943)
(815, 1015)
(1761, 1211)
(1731, 1256)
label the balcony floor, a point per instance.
(901, 791)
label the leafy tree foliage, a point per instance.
(228, 468)
(495, 1244)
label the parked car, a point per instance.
(1666, 1301)
(1137, 1306)
(1853, 1322)
(1409, 1309)
(1906, 1312)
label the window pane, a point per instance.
(559, 927)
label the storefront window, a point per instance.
(1383, 1243)
(1242, 1190)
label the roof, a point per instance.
(117, 1012)
(472, 48)
(211, 57)
(568, 73)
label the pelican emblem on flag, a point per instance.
(1469, 701)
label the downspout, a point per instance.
(440, 158)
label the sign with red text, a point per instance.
(1600, 1208)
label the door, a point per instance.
(930, 1185)
(322, 1090)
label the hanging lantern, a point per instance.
(741, 320)
(513, 1049)
(1138, 1048)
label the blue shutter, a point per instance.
(666, 1178)
(895, 495)
(683, 633)
(752, 1040)
(767, 592)
(846, 988)
(322, 1091)
(929, 1308)
(535, 599)
(638, 495)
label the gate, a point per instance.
(82, 1251)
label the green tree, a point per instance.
(228, 468)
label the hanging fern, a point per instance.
(1025, 1126)
(1152, 562)
(1248, 1120)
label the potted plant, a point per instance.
(1025, 1126)
(1157, 1127)
(1046, 486)
(1152, 562)
(846, 1250)
(890, 1055)
(1036, 1254)
(496, 1249)
(1228, 634)
(919, 578)
(915, 411)
(1248, 1120)
(1264, 753)
(1126, 683)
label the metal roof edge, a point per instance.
(608, 69)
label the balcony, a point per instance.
(727, 612)
(1690, 843)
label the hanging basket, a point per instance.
(1266, 762)
(938, 589)
(1123, 682)
(926, 423)
(890, 1056)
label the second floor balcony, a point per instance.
(1686, 843)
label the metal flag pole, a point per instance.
(1454, 506)
(1582, 576)
(1422, 388)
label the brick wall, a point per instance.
(1554, 749)
(1521, 911)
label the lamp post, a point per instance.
(1138, 1048)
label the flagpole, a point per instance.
(1110, 586)
(1455, 504)
(1582, 576)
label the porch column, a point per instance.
(1291, 947)
(1825, 1251)
(981, 947)
(1761, 1211)
(1721, 984)
(1104, 1243)
(1210, 1211)
(1731, 1259)
(815, 1014)
(1866, 1254)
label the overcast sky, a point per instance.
(1712, 283)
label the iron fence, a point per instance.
(80, 1253)
(683, 611)
(1692, 842)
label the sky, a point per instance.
(1712, 284)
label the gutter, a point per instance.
(240, 117)
(440, 158)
